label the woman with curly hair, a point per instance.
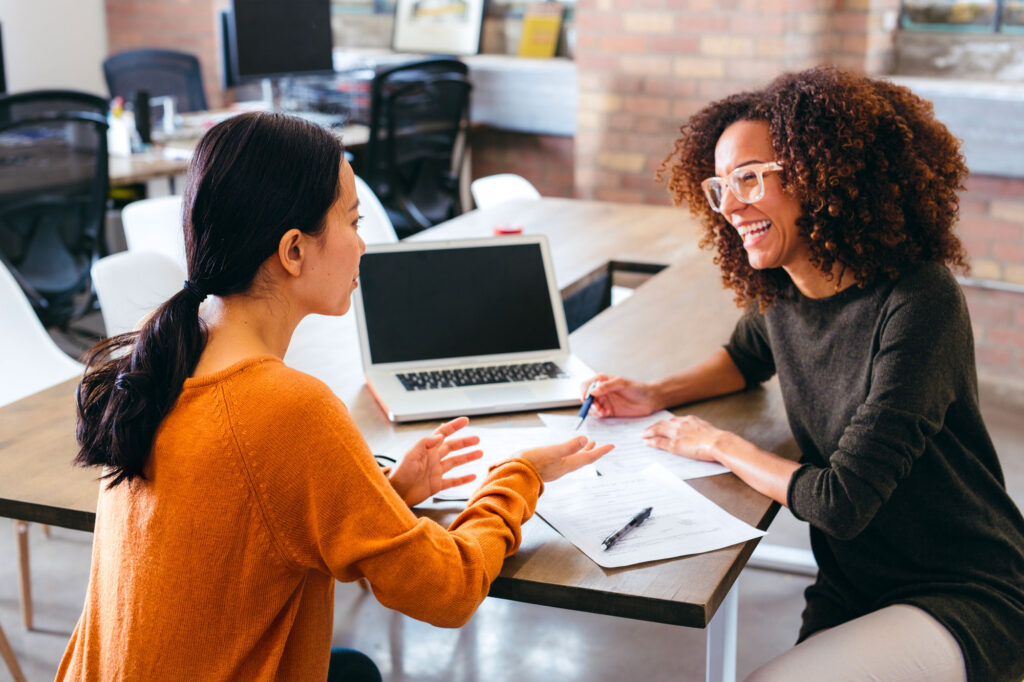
(831, 199)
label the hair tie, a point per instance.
(194, 290)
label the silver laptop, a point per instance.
(449, 328)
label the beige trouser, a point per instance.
(899, 643)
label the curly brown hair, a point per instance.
(876, 175)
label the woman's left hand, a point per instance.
(421, 473)
(688, 436)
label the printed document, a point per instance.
(631, 454)
(587, 509)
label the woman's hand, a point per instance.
(555, 461)
(619, 397)
(421, 473)
(688, 436)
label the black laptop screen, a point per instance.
(455, 302)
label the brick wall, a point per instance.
(185, 25)
(646, 65)
(544, 160)
(992, 229)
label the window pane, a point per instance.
(948, 15)
(1012, 20)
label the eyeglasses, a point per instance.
(746, 184)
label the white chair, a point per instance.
(29, 362)
(131, 284)
(494, 189)
(375, 227)
(155, 225)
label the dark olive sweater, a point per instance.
(899, 479)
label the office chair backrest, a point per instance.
(36, 103)
(419, 115)
(374, 226)
(53, 192)
(158, 72)
(132, 284)
(29, 359)
(494, 189)
(155, 225)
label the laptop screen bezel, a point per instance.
(494, 242)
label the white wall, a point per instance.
(54, 44)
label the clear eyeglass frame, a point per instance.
(746, 184)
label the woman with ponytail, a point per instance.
(237, 490)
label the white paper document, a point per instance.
(498, 445)
(586, 510)
(631, 453)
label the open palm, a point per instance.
(421, 473)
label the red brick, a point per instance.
(631, 5)
(1008, 252)
(756, 24)
(1013, 338)
(674, 44)
(650, 106)
(993, 357)
(588, 41)
(712, 90)
(672, 87)
(976, 248)
(606, 82)
(639, 181)
(620, 195)
(989, 313)
(596, 61)
(701, 24)
(991, 229)
(808, 5)
(691, 5)
(597, 21)
(624, 43)
(991, 186)
(971, 206)
(850, 22)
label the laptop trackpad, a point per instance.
(504, 394)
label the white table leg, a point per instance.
(721, 631)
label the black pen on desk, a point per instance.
(588, 400)
(634, 522)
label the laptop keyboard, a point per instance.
(477, 376)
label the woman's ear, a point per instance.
(291, 251)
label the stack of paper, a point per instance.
(586, 510)
(591, 504)
(631, 454)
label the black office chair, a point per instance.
(419, 114)
(53, 192)
(158, 72)
(36, 103)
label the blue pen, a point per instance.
(588, 400)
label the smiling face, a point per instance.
(767, 226)
(334, 261)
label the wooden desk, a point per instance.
(172, 158)
(673, 320)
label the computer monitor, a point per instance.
(270, 38)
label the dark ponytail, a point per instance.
(252, 178)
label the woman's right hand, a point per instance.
(620, 397)
(554, 461)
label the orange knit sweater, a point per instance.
(260, 493)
